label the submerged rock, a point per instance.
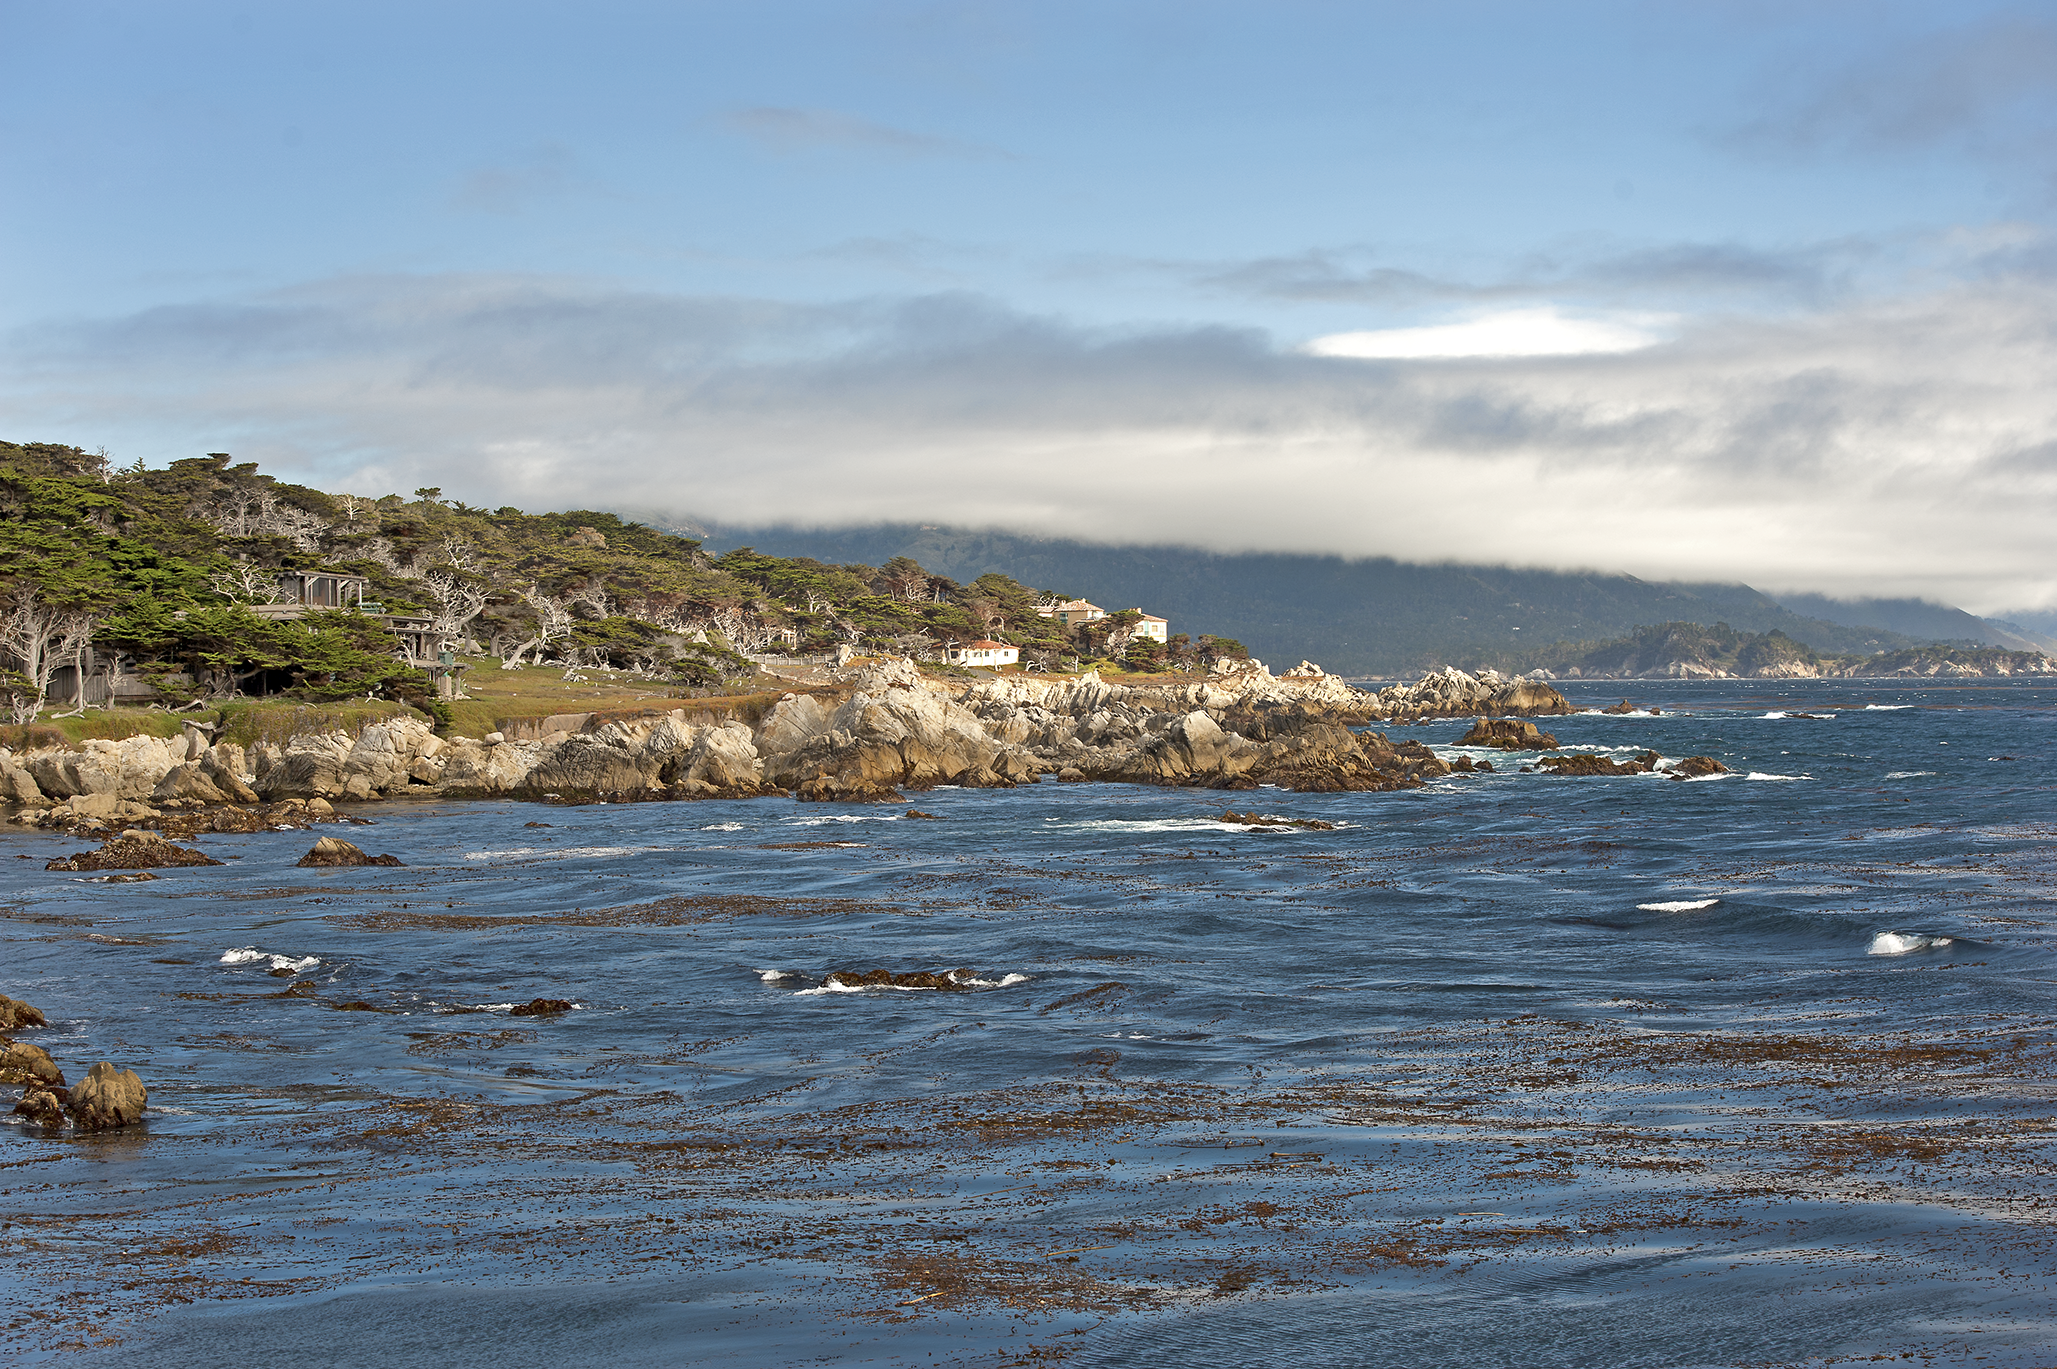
(1273, 820)
(952, 981)
(133, 851)
(106, 1098)
(337, 852)
(541, 1007)
(1508, 734)
(1584, 763)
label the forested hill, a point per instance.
(164, 575)
(1373, 617)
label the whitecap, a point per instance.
(1682, 906)
(1761, 775)
(773, 976)
(246, 955)
(831, 988)
(1905, 943)
(723, 827)
(560, 852)
(1885, 708)
(845, 817)
(1907, 774)
(1777, 715)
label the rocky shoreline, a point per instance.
(877, 729)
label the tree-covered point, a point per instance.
(162, 573)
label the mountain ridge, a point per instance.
(1371, 617)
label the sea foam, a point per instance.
(1682, 906)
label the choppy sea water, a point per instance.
(1513, 1070)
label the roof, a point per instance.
(1152, 618)
(991, 646)
(1074, 604)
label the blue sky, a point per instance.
(1764, 290)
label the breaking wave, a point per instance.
(1682, 906)
(1905, 943)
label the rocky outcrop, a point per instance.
(1693, 767)
(541, 1007)
(333, 851)
(1450, 693)
(133, 851)
(1507, 734)
(106, 1098)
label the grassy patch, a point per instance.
(108, 724)
(500, 699)
(248, 722)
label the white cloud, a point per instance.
(1509, 333)
(1899, 447)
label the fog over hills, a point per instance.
(1369, 617)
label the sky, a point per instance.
(1739, 292)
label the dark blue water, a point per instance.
(1510, 1070)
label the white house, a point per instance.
(983, 653)
(1150, 625)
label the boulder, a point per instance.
(723, 761)
(19, 786)
(1623, 707)
(15, 1014)
(1507, 734)
(41, 1107)
(541, 1007)
(106, 1098)
(187, 781)
(1693, 767)
(136, 851)
(23, 1063)
(334, 851)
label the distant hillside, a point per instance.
(1699, 652)
(1920, 619)
(1373, 617)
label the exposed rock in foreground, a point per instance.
(1508, 734)
(133, 851)
(15, 1014)
(23, 1063)
(106, 1098)
(337, 852)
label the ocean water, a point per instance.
(1512, 1070)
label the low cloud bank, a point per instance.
(1887, 448)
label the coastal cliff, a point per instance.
(877, 729)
